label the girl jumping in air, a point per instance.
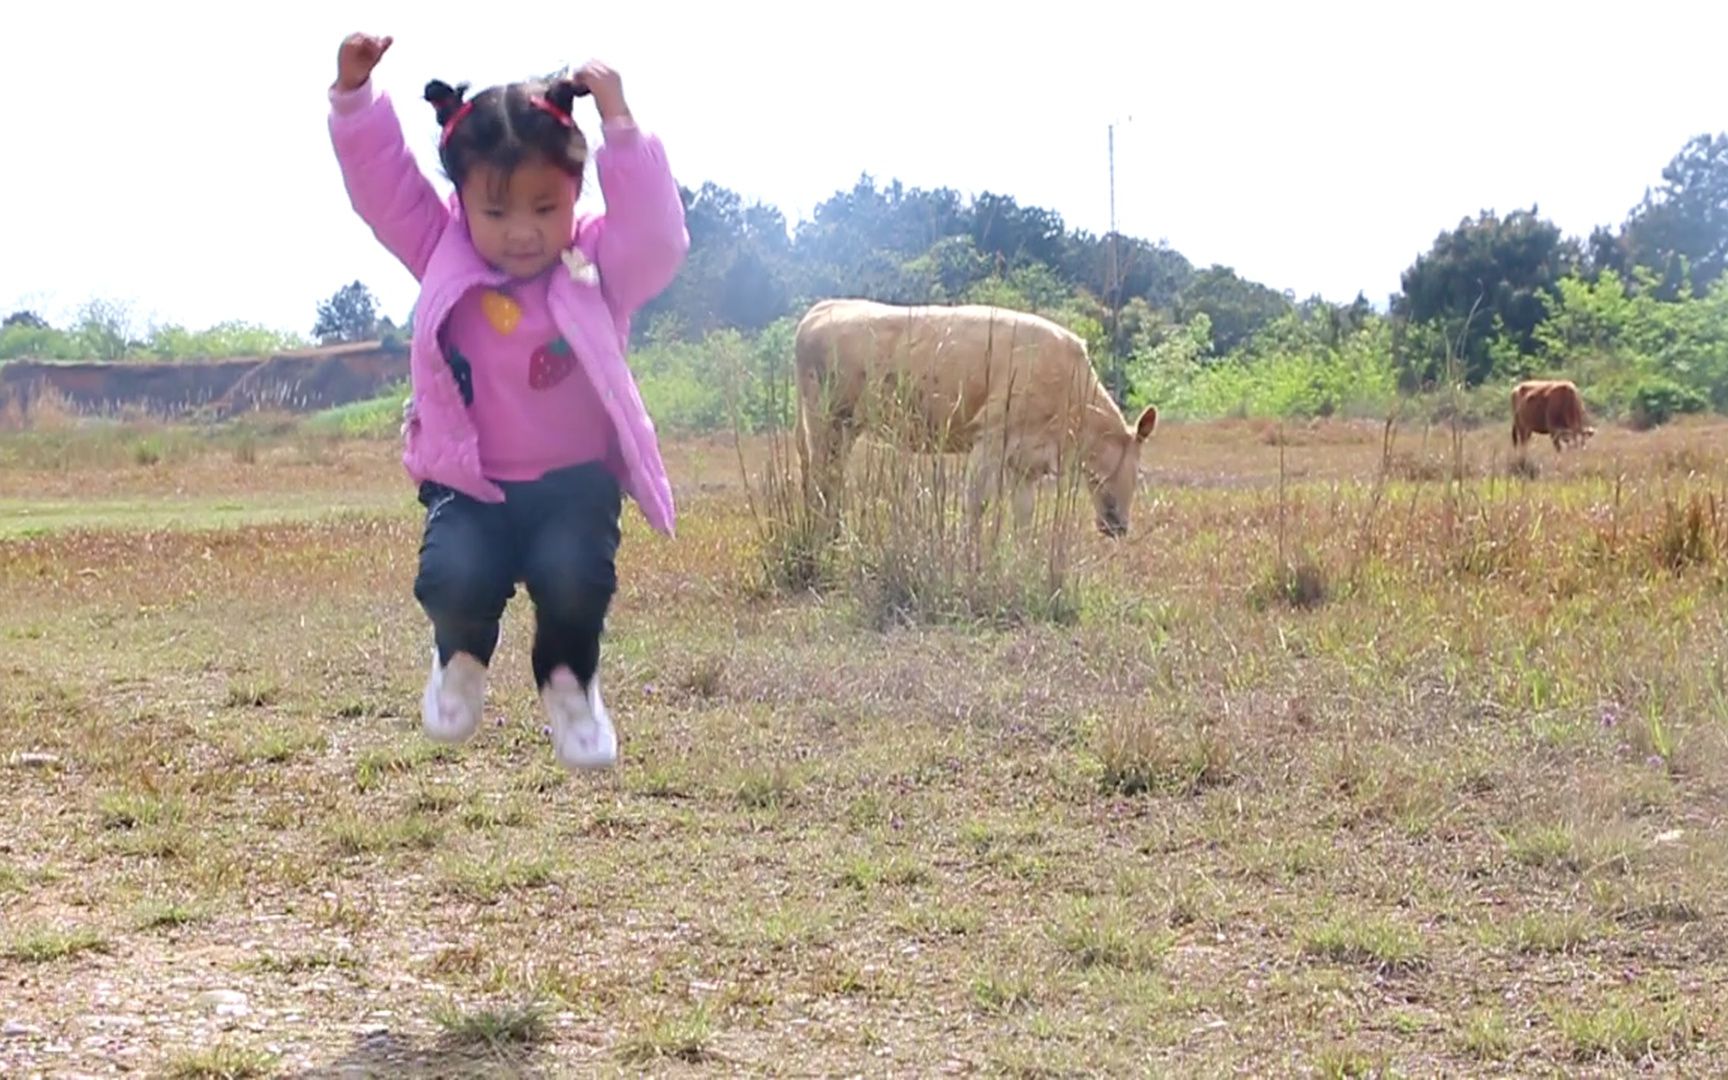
(524, 427)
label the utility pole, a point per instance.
(1117, 389)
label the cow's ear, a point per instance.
(1148, 420)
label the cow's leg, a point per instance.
(1522, 431)
(995, 476)
(834, 447)
(992, 466)
(807, 482)
(986, 473)
(1023, 501)
(812, 418)
(822, 440)
(821, 448)
(845, 436)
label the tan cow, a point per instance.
(1549, 407)
(1015, 391)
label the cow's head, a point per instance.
(1114, 484)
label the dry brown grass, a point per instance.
(1461, 818)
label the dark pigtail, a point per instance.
(570, 151)
(564, 92)
(445, 99)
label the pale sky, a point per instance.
(175, 157)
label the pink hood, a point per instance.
(637, 246)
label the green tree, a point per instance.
(1304, 363)
(1235, 307)
(26, 335)
(738, 271)
(1483, 280)
(1680, 230)
(351, 314)
(1165, 371)
(104, 330)
(225, 339)
(948, 270)
(1624, 343)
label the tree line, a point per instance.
(105, 330)
(1636, 311)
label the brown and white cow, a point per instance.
(1549, 407)
(1013, 390)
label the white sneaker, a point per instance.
(582, 734)
(455, 698)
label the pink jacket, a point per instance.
(637, 246)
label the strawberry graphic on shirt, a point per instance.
(550, 365)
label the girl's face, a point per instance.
(520, 223)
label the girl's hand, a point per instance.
(357, 57)
(608, 90)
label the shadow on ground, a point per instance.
(422, 1059)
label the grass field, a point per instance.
(1441, 794)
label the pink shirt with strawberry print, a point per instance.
(534, 404)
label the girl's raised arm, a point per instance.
(385, 184)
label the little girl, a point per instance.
(524, 427)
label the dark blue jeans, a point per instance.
(557, 535)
